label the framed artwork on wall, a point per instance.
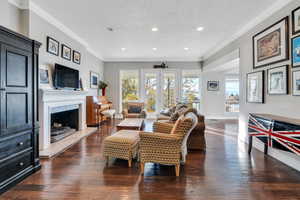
(212, 85)
(256, 87)
(296, 21)
(272, 44)
(295, 51)
(44, 76)
(66, 52)
(76, 57)
(296, 83)
(278, 80)
(94, 80)
(52, 46)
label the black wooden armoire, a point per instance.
(19, 148)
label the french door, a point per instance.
(159, 89)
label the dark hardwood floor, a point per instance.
(225, 171)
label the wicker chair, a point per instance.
(126, 112)
(168, 144)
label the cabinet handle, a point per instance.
(21, 144)
(21, 164)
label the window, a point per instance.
(232, 95)
(169, 89)
(191, 88)
(151, 92)
(129, 80)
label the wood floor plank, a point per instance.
(224, 171)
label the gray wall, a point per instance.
(4, 16)
(285, 105)
(112, 69)
(40, 29)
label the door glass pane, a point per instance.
(129, 86)
(150, 91)
(169, 90)
(232, 95)
(191, 88)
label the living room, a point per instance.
(149, 99)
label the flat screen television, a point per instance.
(65, 77)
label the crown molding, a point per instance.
(159, 59)
(21, 4)
(279, 4)
(59, 25)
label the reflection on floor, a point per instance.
(227, 127)
(224, 171)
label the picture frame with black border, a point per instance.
(52, 46)
(94, 80)
(262, 100)
(295, 29)
(294, 83)
(76, 57)
(285, 70)
(63, 53)
(215, 84)
(285, 45)
(295, 60)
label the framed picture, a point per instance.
(296, 83)
(296, 21)
(295, 51)
(272, 44)
(256, 87)
(44, 76)
(52, 46)
(94, 80)
(212, 85)
(76, 57)
(66, 52)
(278, 80)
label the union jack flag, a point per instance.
(275, 134)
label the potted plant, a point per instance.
(102, 86)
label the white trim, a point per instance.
(279, 4)
(21, 4)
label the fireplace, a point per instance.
(58, 109)
(64, 122)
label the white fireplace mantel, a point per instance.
(49, 99)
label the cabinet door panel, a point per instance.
(16, 90)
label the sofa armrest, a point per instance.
(160, 127)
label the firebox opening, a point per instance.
(63, 124)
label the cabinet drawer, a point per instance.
(15, 144)
(14, 166)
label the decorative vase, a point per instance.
(103, 91)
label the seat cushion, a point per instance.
(109, 113)
(122, 138)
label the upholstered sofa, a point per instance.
(196, 140)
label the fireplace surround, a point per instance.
(56, 101)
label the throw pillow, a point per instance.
(174, 116)
(166, 112)
(134, 109)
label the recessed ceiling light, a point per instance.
(200, 28)
(154, 29)
(186, 48)
(154, 48)
(123, 49)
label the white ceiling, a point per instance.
(132, 21)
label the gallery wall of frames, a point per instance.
(274, 45)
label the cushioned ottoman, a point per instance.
(123, 144)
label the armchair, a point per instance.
(134, 110)
(169, 145)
